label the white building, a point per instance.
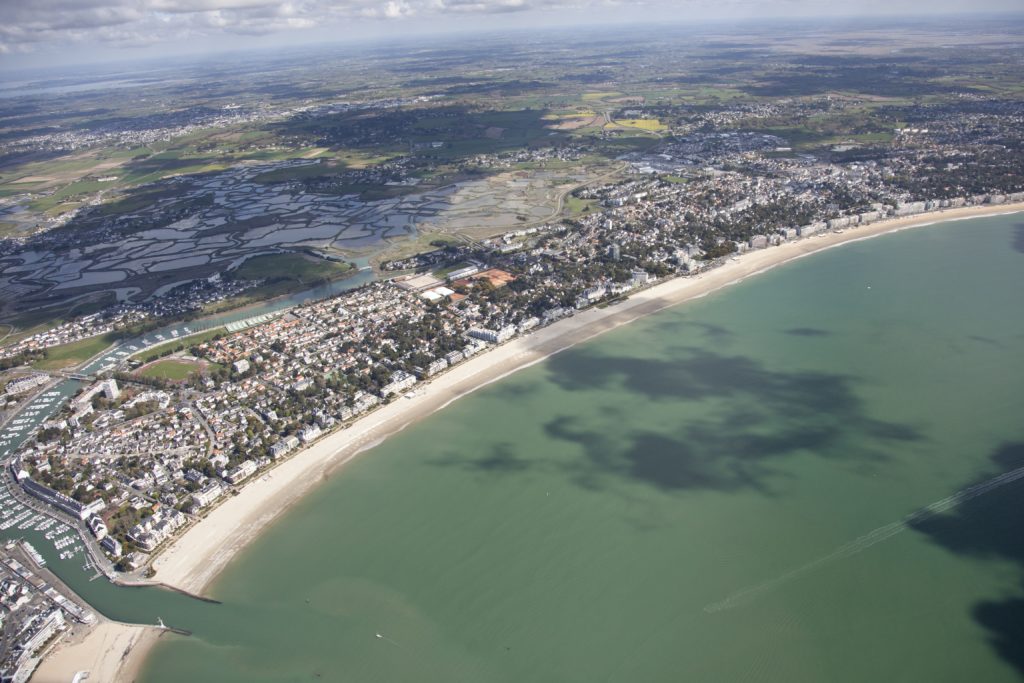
(206, 495)
(433, 367)
(463, 272)
(553, 314)
(909, 208)
(309, 433)
(27, 383)
(97, 527)
(639, 277)
(529, 324)
(239, 474)
(473, 348)
(400, 381)
(493, 336)
(110, 389)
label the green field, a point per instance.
(569, 115)
(75, 353)
(575, 206)
(34, 320)
(170, 369)
(643, 124)
(296, 267)
(284, 274)
(419, 243)
(8, 229)
(281, 175)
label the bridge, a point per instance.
(74, 375)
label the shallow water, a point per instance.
(732, 490)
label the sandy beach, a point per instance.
(195, 559)
(104, 652)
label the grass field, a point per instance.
(558, 116)
(134, 201)
(419, 243)
(285, 273)
(574, 206)
(299, 173)
(34, 320)
(172, 369)
(806, 137)
(359, 159)
(75, 353)
(79, 188)
(9, 229)
(297, 267)
(643, 124)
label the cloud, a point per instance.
(489, 6)
(186, 6)
(65, 24)
(29, 22)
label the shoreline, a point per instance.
(193, 561)
(107, 651)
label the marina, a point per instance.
(16, 516)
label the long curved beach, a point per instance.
(196, 558)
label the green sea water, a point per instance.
(719, 492)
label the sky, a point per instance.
(59, 32)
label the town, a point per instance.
(37, 608)
(137, 461)
(452, 227)
(240, 290)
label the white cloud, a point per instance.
(28, 22)
(54, 24)
(186, 6)
(397, 10)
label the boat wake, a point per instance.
(869, 539)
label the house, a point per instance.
(283, 446)
(309, 433)
(206, 495)
(111, 545)
(400, 381)
(239, 474)
(493, 336)
(97, 527)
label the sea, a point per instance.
(814, 475)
